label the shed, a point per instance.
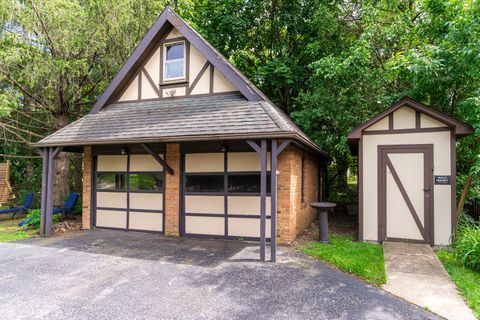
(407, 174)
(182, 144)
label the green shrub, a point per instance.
(467, 242)
(33, 218)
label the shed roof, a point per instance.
(213, 117)
(460, 128)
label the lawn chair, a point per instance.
(68, 206)
(66, 209)
(20, 209)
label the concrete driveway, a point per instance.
(125, 275)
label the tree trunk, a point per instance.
(62, 174)
(463, 197)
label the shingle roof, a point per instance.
(180, 119)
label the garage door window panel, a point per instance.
(204, 183)
(246, 183)
(146, 182)
(109, 181)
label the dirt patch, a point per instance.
(69, 224)
(338, 223)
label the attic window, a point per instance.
(174, 61)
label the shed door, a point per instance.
(406, 193)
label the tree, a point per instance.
(56, 58)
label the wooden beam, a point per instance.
(162, 162)
(273, 202)
(282, 146)
(254, 146)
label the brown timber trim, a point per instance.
(461, 128)
(360, 190)
(212, 74)
(198, 77)
(390, 123)
(404, 240)
(150, 80)
(417, 120)
(382, 154)
(413, 130)
(139, 75)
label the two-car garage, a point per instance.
(220, 194)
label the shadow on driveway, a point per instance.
(146, 246)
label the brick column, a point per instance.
(87, 186)
(172, 191)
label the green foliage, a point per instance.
(33, 218)
(467, 243)
(467, 280)
(330, 64)
(364, 260)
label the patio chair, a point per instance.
(68, 206)
(66, 209)
(20, 209)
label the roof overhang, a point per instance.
(460, 129)
(177, 139)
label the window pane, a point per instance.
(110, 181)
(146, 181)
(175, 51)
(246, 183)
(174, 69)
(204, 183)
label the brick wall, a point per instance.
(172, 191)
(87, 186)
(293, 215)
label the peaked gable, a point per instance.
(207, 71)
(411, 115)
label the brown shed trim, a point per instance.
(461, 128)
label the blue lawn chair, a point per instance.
(68, 206)
(66, 209)
(20, 209)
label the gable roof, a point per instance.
(460, 128)
(213, 117)
(164, 23)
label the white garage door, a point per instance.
(129, 193)
(222, 195)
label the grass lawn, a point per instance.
(10, 231)
(467, 281)
(364, 260)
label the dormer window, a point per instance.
(174, 61)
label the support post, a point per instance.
(48, 173)
(263, 197)
(273, 199)
(45, 153)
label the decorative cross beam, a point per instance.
(159, 159)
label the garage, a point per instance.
(222, 195)
(407, 174)
(129, 192)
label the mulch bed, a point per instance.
(69, 224)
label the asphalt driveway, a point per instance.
(125, 275)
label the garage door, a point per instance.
(129, 193)
(222, 195)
